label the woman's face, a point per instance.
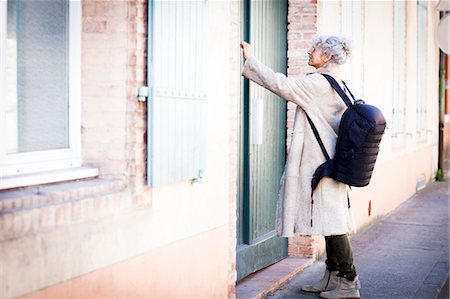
(316, 57)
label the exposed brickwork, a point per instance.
(302, 26)
(302, 17)
(114, 66)
(113, 128)
(96, 25)
(136, 112)
(303, 246)
(58, 205)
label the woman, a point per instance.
(327, 210)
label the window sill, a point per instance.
(28, 211)
(46, 177)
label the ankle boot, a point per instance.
(345, 289)
(328, 282)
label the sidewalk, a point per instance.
(403, 255)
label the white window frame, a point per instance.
(19, 164)
(399, 70)
(351, 27)
(422, 52)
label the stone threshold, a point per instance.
(260, 284)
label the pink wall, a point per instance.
(191, 268)
(392, 183)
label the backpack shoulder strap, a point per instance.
(319, 140)
(346, 87)
(338, 89)
(326, 168)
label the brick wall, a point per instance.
(302, 26)
(114, 66)
(302, 17)
(113, 140)
(113, 127)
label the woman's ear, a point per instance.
(326, 58)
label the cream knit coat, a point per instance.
(330, 214)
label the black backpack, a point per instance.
(360, 131)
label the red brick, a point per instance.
(17, 228)
(90, 209)
(35, 220)
(311, 19)
(142, 28)
(95, 53)
(132, 60)
(308, 35)
(302, 18)
(308, 27)
(27, 218)
(141, 12)
(299, 44)
(76, 211)
(8, 204)
(294, 35)
(94, 25)
(295, 19)
(294, 71)
(6, 228)
(60, 215)
(296, 27)
(116, 9)
(132, 11)
(17, 203)
(310, 9)
(119, 26)
(295, 9)
(88, 8)
(49, 217)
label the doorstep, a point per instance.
(265, 281)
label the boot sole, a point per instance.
(346, 297)
(312, 292)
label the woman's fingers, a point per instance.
(247, 49)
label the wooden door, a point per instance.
(263, 138)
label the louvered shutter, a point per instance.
(178, 91)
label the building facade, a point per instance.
(109, 189)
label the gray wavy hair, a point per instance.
(335, 46)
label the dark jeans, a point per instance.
(340, 256)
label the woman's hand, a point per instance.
(247, 49)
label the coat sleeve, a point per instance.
(301, 91)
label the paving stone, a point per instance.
(404, 255)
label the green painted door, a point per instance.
(263, 137)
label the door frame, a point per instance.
(264, 244)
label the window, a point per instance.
(399, 65)
(352, 70)
(421, 69)
(40, 61)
